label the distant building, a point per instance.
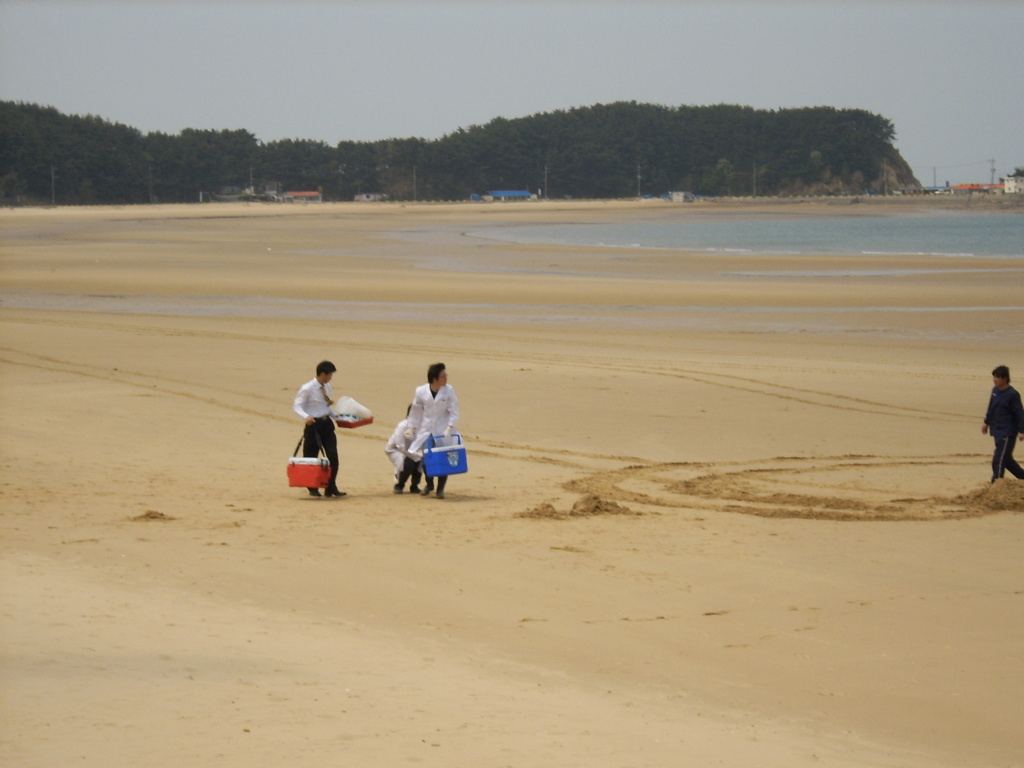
(1013, 185)
(369, 197)
(976, 189)
(303, 197)
(510, 194)
(682, 197)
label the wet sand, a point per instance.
(712, 516)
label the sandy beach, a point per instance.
(717, 512)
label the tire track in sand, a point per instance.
(839, 488)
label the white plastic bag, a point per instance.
(346, 406)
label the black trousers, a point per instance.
(442, 480)
(1002, 459)
(410, 469)
(311, 447)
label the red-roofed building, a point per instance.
(975, 189)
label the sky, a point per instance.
(949, 74)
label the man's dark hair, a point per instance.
(325, 367)
(434, 371)
(1001, 372)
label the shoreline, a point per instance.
(874, 203)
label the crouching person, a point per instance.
(407, 464)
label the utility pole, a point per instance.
(992, 180)
(638, 179)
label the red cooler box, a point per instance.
(308, 473)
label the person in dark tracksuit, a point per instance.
(1005, 422)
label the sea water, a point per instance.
(954, 235)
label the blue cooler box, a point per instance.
(444, 456)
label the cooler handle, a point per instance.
(319, 442)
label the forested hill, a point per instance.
(602, 151)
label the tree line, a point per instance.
(615, 150)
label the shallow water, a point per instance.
(954, 235)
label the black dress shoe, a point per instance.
(335, 492)
(314, 492)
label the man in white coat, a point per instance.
(434, 411)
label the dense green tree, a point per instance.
(297, 165)
(600, 151)
(45, 155)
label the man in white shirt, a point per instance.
(313, 404)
